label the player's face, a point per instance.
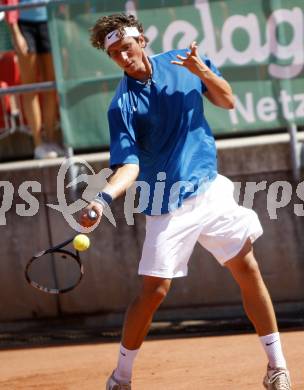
(128, 55)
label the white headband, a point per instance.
(114, 36)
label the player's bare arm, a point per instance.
(219, 91)
(123, 178)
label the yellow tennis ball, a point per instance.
(81, 242)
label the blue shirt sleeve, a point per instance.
(123, 148)
(214, 69)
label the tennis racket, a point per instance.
(56, 270)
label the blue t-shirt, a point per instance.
(35, 14)
(161, 126)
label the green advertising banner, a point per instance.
(258, 45)
(5, 37)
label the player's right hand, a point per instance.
(91, 214)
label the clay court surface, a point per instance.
(233, 362)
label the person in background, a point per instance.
(32, 44)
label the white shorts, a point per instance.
(214, 219)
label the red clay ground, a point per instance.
(204, 363)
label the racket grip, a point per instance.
(92, 215)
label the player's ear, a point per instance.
(142, 41)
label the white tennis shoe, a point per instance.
(277, 379)
(112, 384)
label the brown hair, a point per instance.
(106, 24)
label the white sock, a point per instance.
(123, 372)
(272, 346)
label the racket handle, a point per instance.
(92, 215)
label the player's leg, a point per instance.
(169, 242)
(139, 314)
(255, 296)
(136, 326)
(260, 311)
(228, 235)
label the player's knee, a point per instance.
(156, 291)
(248, 269)
(158, 294)
(244, 268)
(161, 293)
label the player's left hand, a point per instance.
(193, 61)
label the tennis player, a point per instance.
(159, 133)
